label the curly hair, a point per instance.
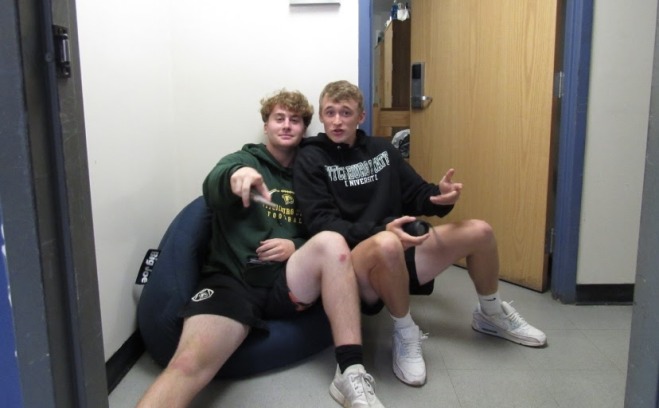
(293, 101)
(340, 91)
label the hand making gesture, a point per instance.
(246, 181)
(450, 191)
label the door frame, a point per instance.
(571, 148)
(46, 212)
(577, 35)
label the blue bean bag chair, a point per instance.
(171, 284)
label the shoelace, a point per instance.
(413, 347)
(360, 381)
(516, 319)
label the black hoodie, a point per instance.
(357, 190)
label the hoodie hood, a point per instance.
(323, 141)
(260, 151)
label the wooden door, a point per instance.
(396, 65)
(489, 67)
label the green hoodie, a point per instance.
(238, 231)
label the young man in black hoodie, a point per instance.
(362, 188)
(261, 265)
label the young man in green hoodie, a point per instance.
(261, 265)
(362, 188)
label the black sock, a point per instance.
(348, 355)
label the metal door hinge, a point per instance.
(62, 54)
(559, 77)
(551, 235)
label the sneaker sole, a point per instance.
(399, 374)
(488, 329)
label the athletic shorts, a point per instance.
(415, 287)
(223, 294)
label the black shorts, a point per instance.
(415, 287)
(225, 295)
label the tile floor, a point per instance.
(584, 364)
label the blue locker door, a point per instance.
(10, 387)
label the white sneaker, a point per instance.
(354, 388)
(408, 362)
(508, 325)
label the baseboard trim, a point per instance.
(613, 294)
(123, 360)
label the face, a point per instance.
(284, 129)
(341, 120)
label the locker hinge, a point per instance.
(551, 235)
(62, 54)
(559, 77)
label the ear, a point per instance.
(362, 117)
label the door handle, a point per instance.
(421, 102)
(417, 99)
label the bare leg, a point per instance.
(379, 263)
(471, 239)
(382, 273)
(322, 267)
(207, 341)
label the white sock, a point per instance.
(403, 322)
(490, 304)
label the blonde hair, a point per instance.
(340, 91)
(293, 101)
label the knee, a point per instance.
(482, 232)
(329, 237)
(387, 246)
(187, 363)
(332, 243)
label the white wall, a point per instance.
(225, 64)
(171, 87)
(617, 127)
(126, 63)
